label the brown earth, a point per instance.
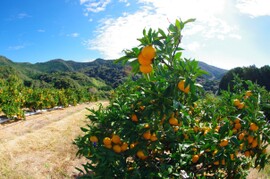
(42, 145)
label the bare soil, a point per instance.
(42, 145)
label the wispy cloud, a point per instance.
(16, 47)
(115, 34)
(94, 5)
(18, 16)
(75, 34)
(254, 8)
(41, 30)
(125, 1)
(22, 15)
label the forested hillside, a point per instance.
(100, 74)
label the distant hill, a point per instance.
(98, 73)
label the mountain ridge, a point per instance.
(103, 70)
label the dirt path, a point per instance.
(41, 146)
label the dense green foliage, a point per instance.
(261, 76)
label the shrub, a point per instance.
(162, 125)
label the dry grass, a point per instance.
(41, 146)
(263, 174)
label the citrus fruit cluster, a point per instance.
(146, 58)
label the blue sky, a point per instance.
(226, 33)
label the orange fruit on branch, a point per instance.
(241, 105)
(144, 61)
(248, 93)
(93, 139)
(195, 158)
(116, 139)
(181, 86)
(224, 142)
(141, 155)
(236, 102)
(124, 147)
(173, 121)
(117, 149)
(146, 69)
(134, 118)
(253, 127)
(107, 141)
(148, 52)
(153, 137)
(147, 135)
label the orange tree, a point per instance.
(162, 126)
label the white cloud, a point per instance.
(94, 5)
(114, 35)
(22, 15)
(16, 47)
(193, 46)
(75, 34)
(41, 30)
(125, 1)
(254, 8)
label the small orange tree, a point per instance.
(161, 125)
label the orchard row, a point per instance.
(15, 98)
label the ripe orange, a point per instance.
(241, 136)
(247, 153)
(181, 86)
(195, 158)
(248, 93)
(124, 147)
(147, 135)
(237, 120)
(216, 163)
(116, 139)
(153, 137)
(134, 118)
(144, 61)
(250, 139)
(223, 162)
(173, 121)
(107, 141)
(241, 105)
(253, 127)
(148, 52)
(224, 142)
(254, 143)
(93, 139)
(187, 89)
(236, 102)
(237, 126)
(232, 156)
(116, 148)
(141, 155)
(146, 68)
